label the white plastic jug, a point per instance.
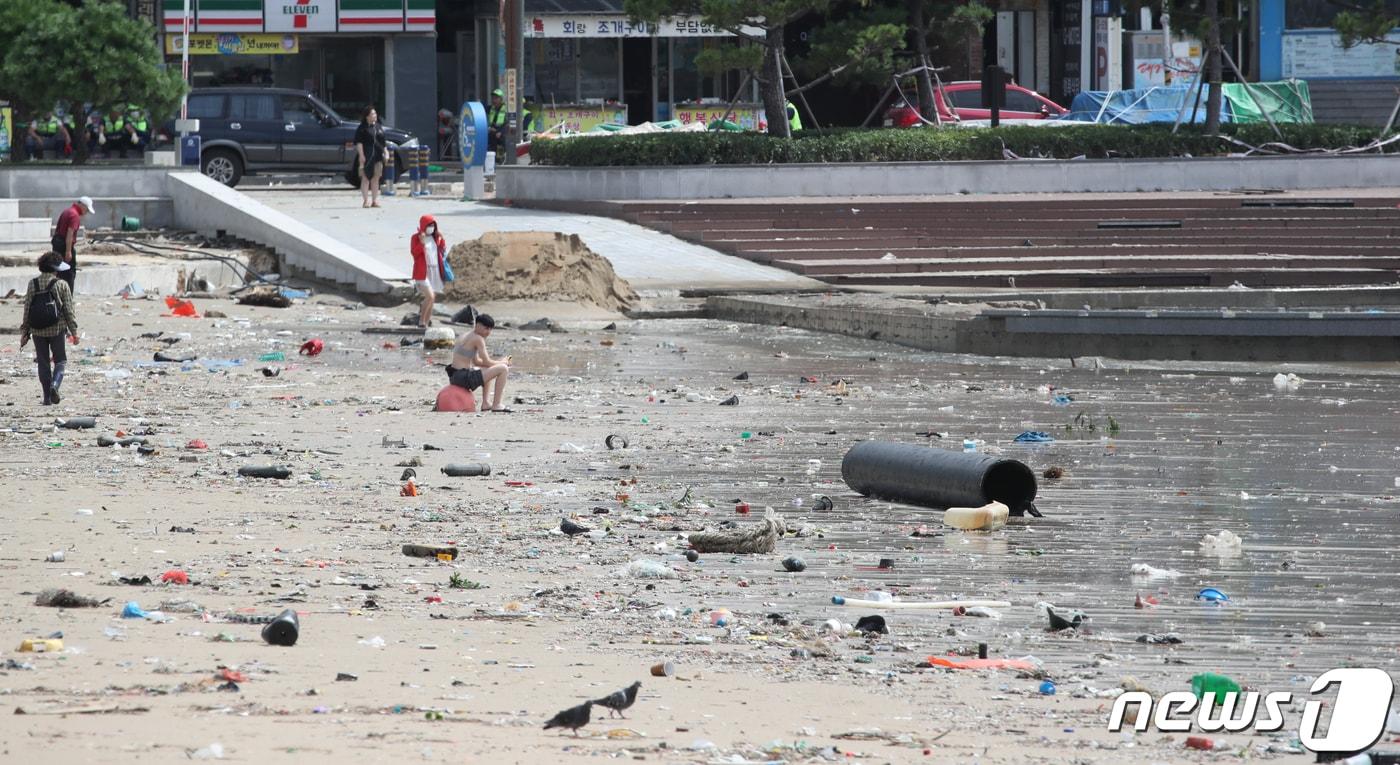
(987, 517)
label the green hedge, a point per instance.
(925, 145)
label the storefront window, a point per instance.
(214, 71)
(346, 72)
(301, 71)
(555, 70)
(687, 76)
(598, 69)
(354, 73)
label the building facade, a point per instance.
(349, 53)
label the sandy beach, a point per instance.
(395, 663)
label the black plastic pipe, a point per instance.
(938, 478)
(469, 469)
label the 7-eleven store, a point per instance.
(347, 52)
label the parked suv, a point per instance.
(247, 129)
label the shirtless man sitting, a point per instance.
(472, 367)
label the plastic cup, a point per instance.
(663, 669)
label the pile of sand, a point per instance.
(535, 265)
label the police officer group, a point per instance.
(119, 132)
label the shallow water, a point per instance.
(1306, 478)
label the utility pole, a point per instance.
(515, 81)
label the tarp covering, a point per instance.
(1287, 101)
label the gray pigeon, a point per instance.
(572, 529)
(573, 717)
(617, 701)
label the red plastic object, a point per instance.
(454, 398)
(181, 307)
(312, 347)
(742, 508)
(952, 663)
(433, 599)
(409, 489)
(175, 576)
(1200, 742)
(196, 444)
(233, 676)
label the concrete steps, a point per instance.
(1257, 240)
(21, 231)
(1124, 278)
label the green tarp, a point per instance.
(1286, 101)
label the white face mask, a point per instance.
(430, 230)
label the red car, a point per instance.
(963, 101)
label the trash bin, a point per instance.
(189, 150)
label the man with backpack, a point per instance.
(48, 316)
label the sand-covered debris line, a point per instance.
(535, 265)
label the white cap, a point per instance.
(86, 202)
(62, 266)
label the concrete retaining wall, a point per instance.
(95, 181)
(993, 336)
(526, 183)
(153, 212)
(106, 281)
(209, 208)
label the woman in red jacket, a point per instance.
(429, 256)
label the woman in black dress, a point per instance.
(371, 151)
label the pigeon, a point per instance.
(572, 529)
(731, 401)
(573, 717)
(620, 700)
(742, 376)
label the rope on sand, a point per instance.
(760, 538)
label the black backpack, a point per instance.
(43, 307)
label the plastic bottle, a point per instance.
(990, 516)
(1210, 683)
(1200, 742)
(469, 469)
(41, 645)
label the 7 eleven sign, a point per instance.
(299, 15)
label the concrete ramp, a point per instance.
(211, 208)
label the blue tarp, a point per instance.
(1135, 107)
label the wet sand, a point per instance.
(554, 622)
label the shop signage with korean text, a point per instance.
(618, 25)
(249, 44)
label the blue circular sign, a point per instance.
(471, 134)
